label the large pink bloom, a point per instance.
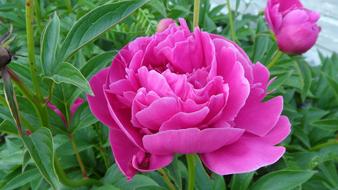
(295, 27)
(188, 92)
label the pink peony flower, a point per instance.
(182, 92)
(77, 103)
(294, 26)
(164, 24)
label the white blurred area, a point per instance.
(328, 38)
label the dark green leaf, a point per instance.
(95, 23)
(241, 181)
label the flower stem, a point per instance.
(30, 46)
(276, 56)
(69, 5)
(196, 13)
(31, 98)
(231, 21)
(31, 58)
(78, 157)
(69, 182)
(166, 179)
(191, 171)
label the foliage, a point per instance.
(80, 37)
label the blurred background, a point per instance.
(328, 39)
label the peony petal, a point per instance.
(146, 162)
(98, 103)
(184, 120)
(57, 111)
(217, 104)
(158, 112)
(77, 103)
(261, 75)
(123, 151)
(285, 5)
(192, 140)
(154, 81)
(245, 155)
(122, 118)
(239, 87)
(279, 132)
(259, 117)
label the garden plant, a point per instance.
(165, 94)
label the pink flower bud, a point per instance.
(294, 26)
(164, 24)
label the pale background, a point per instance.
(328, 39)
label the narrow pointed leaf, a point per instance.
(96, 22)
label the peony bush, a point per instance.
(174, 94)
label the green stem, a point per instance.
(72, 183)
(31, 98)
(276, 56)
(196, 13)
(31, 57)
(30, 47)
(191, 171)
(166, 179)
(231, 22)
(100, 146)
(69, 5)
(78, 157)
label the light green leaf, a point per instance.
(21, 179)
(49, 45)
(41, 149)
(96, 22)
(327, 124)
(8, 127)
(67, 73)
(283, 180)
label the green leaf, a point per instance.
(41, 149)
(96, 22)
(8, 127)
(159, 6)
(49, 45)
(114, 176)
(67, 73)
(21, 179)
(333, 84)
(97, 63)
(241, 181)
(107, 187)
(279, 81)
(305, 77)
(283, 180)
(327, 124)
(10, 97)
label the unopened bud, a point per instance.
(164, 24)
(5, 57)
